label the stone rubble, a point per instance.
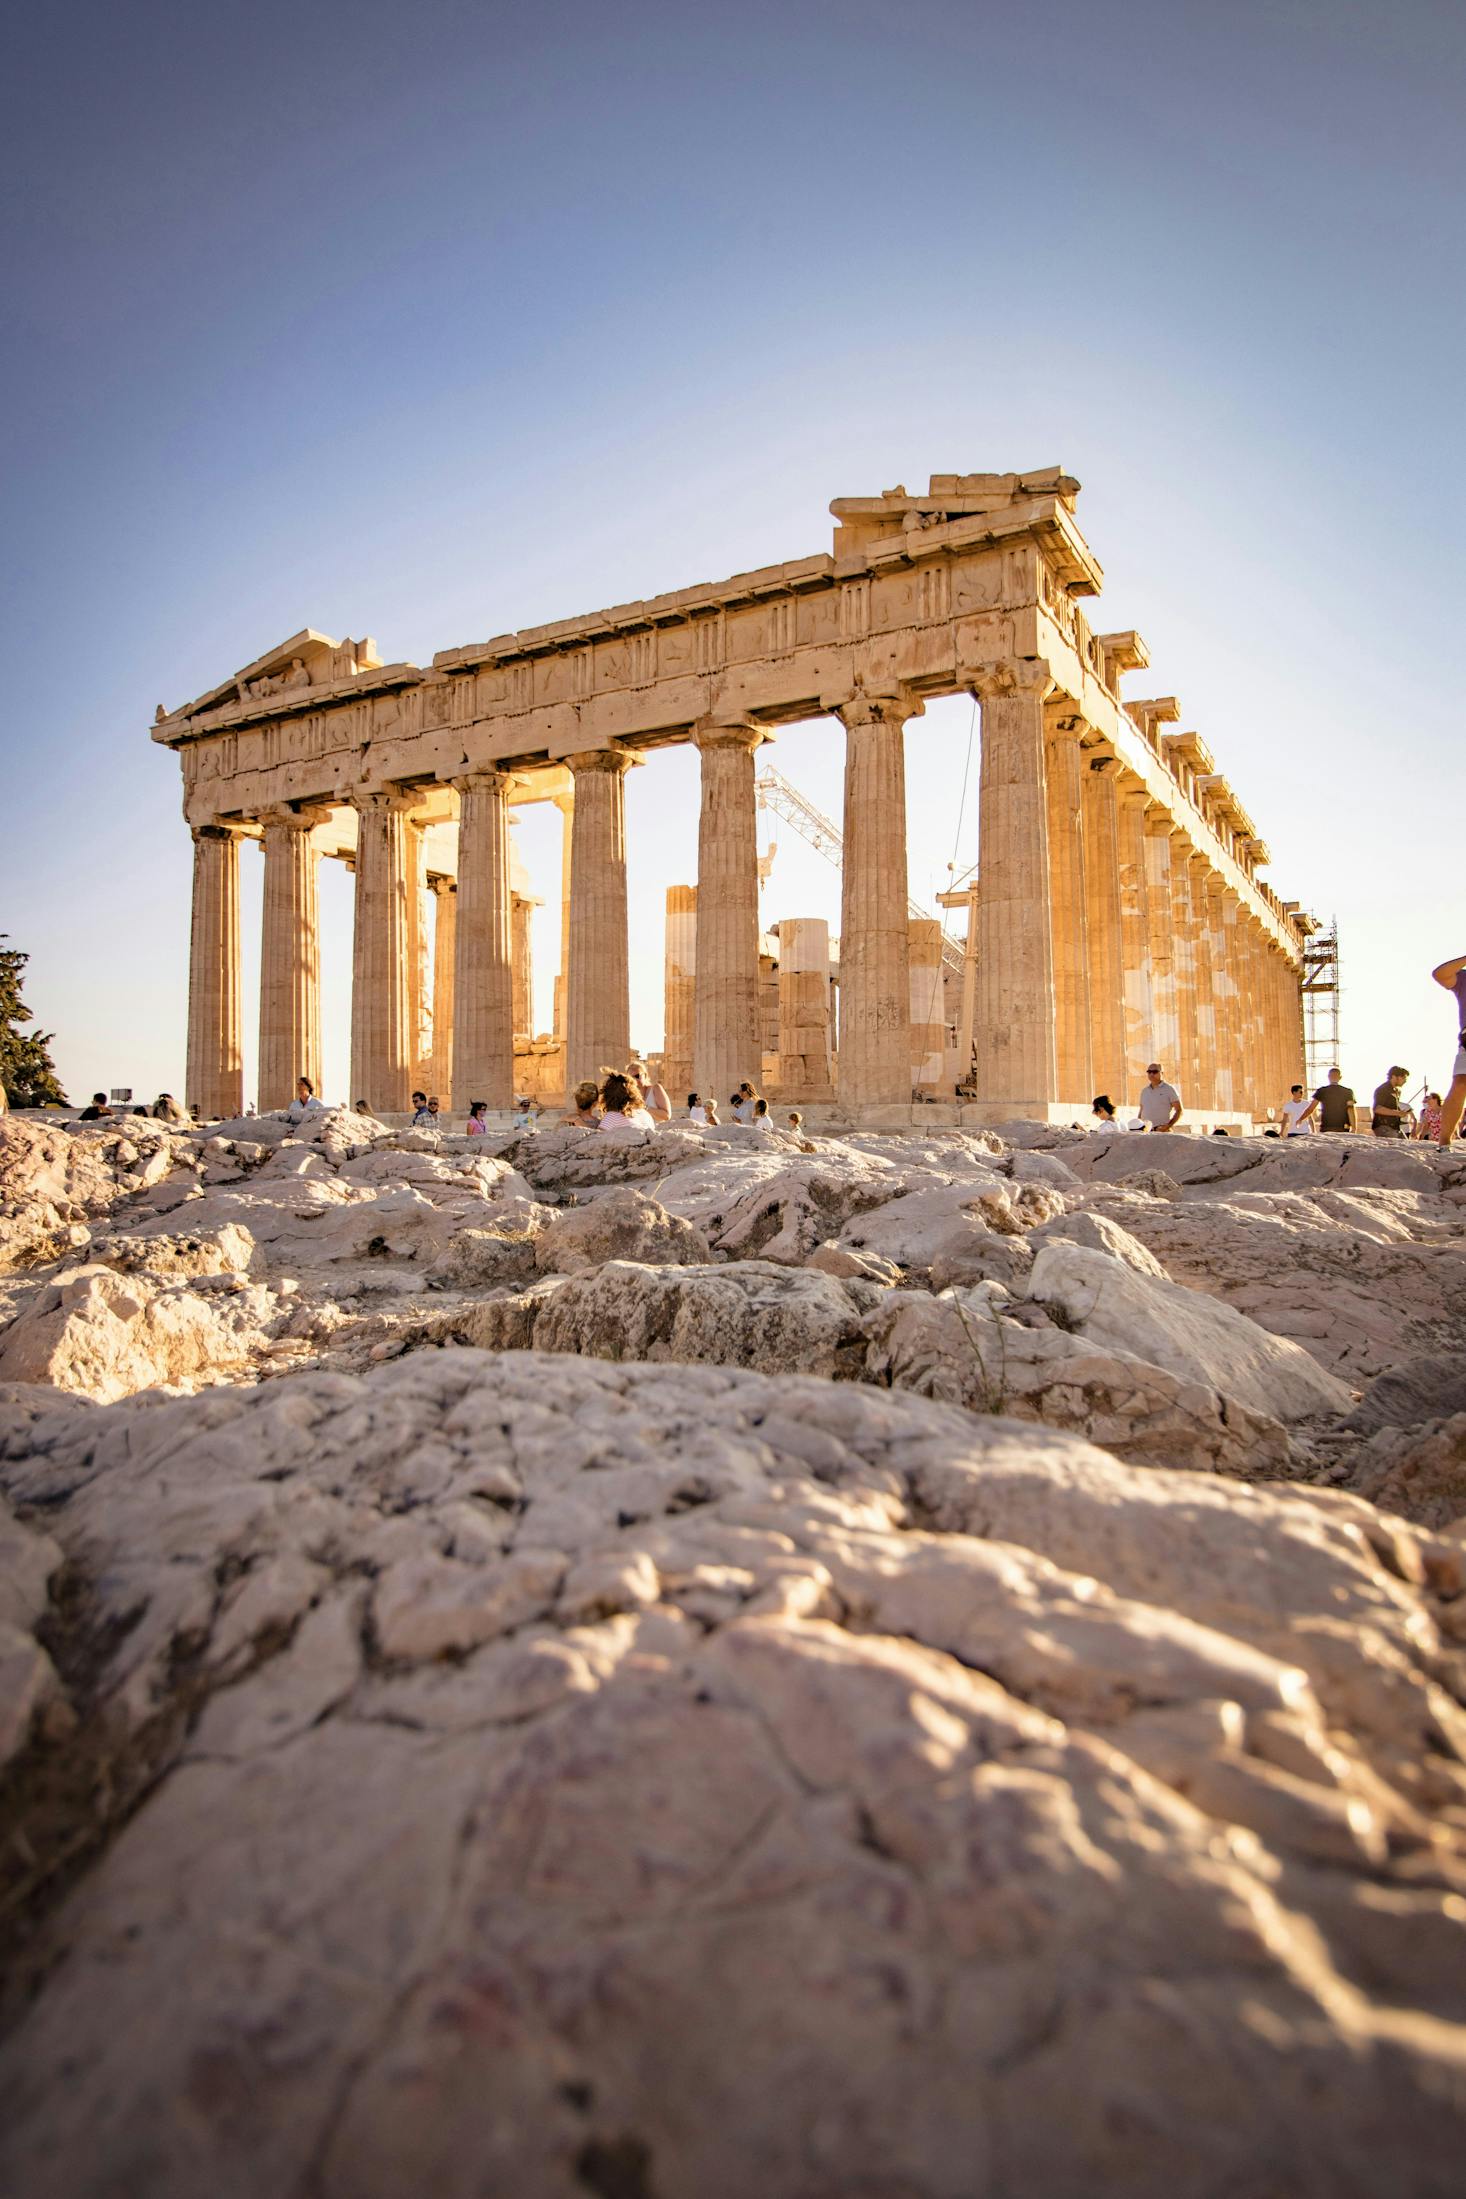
(797, 1663)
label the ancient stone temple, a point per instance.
(1116, 916)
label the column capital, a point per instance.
(605, 760)
(1028, 676)
(486, 781)
(216, 831)
(1159, 820)
(297, 820)
(439, 882)
(729, 733)
(386, 798)
(891, 705)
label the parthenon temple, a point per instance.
(1116, 914)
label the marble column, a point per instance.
(215, 1023)
(1258, 1094)
(598, 1007)
(1064, 777)
(805, 1059)
(565, 803)
(445, 947)
(928, 1008)
(521, 909)
(483, 966)
(1017, 1064)
(727, 1031)
(1185, 1066)
(1105, 925)
(1160, 828)
(383, 989)
(290, 959)
(1222, 951)
(679, 994)
(1203, 1002)
(874, 1064)
(420, 969)
(1135, 937)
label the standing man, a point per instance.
(1453, 976)
(1297, 1114)
(1335, 1103)
(1389, 1116)
(1160, 1103)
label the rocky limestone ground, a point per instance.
(924, 1668)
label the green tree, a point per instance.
(26, 1069)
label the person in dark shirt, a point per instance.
(1452, 975)
(1390, 1116)
(98, 1108)
(1335, 1103)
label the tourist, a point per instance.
(587, 1108)
(1335, 1102)
(435, 1110)
(796, 1128)
(761, 1118)
(305, 1101)
(696, 1112)
(1297, 1114)
(1453, 976)
(1160, 1103)
(98, 1109)
(476, 1126)
(710, 1110)
(624, 1115)
(363, 1107)
(523, 1115)
(421, 1119)
(743, 1102)
(735, 1108)
(167, 1109)
(658, 1104)
(1428, 1123)
(1389, 1117)
(1102, 1107)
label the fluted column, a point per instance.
(290, 960)
(1222, 949)
(383, 991)
(445, 948)
(215, 1023)
(1013, 1023)
(598, 1007)
(1198, 871)
(1074, 1064)
(1160, 924)
(1185, 1066)
(679, 991)
(874, 1064)
(483, 970)
(565, 803)
(727, 1032)
(804, 1010)
(1105, 924)
(522, 963)
(1258, 1094)
(1135, 936)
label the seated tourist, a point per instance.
(624, 1115)
(305, 1101)
(98, 1108)
(696, 1112)
(421, 1119)
(586, 1109)
(658, 1104)
(761, 1118)
(167, 1109)
(1103, 1110)
(435, 1111)
(476, 1126)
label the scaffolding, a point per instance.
(1321, 1003)
(775, 793)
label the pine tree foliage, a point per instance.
(26, 1068)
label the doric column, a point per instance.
(1184, 1066)
(215, 1025)
(445, 947)
(1221, 905)
(1198, 870)
(383, 989)
(1160, 826)
(1135, 936)
(928, 1007)
(1258, 1094)
(1102, 913)
(1014, 1018)
(1064, 776)
(598, 1007)
(521, 956)
(679, 980)
(727, 1036)
(874, 1064)
(483, 970)
(290, 960)
(565, 803)
(804, 1010)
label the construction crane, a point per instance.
(775, 793)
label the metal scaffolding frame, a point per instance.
(1321, 1003)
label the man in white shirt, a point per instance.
(305, 1101)
(1298, 1114)
(1160, 1103)
(696, 1112)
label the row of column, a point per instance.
(1100, 938)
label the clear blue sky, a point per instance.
(431, 322)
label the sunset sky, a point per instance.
(432, 322)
